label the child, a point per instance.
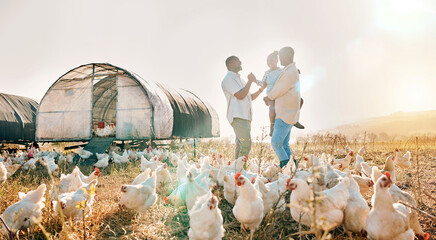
(270, 78)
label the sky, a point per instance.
(358, 59)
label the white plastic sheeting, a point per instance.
(133, 110)
(65, 112)
(162, 112)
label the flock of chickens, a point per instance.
(324, 192)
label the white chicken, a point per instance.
(362, 150)
(329, 211)
(181, 172)
(400, 195)
(148, 164)
(271, 193)
(402, 161)
(70, 158)
(231, 192)
(179, 196)
(12, 168)
(356, 210)
(390, 167)
(68, 201)
(70, 182)
(84, 154)
(52, 167)
(139, 197)
(132, 154)
(102, 163)
(253, 165)
(3, 173)
(331, 177)
(194, 190)
(358, 166)
(289, 168)
(342, 163)
(385, 221)
(101, 156)
(206, 221)
(364, 183)
(366, 169)
(91, 177)
(238, 164)
(248, 208)
(121, 159)
(141, 177)
(30, 164)
(107, 131)
(272, 172)
(163, 179)
(22, 214)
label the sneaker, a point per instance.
(298, 125)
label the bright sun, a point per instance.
(403, 16)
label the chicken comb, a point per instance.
(165, 199)
(388, 174)
(212, 199)
(288, 181)
(97, 172)
(245, 156)
(396, 150)
(237, 175)
(351, 153)
(305, 159)
(253, 180)
(426, 236)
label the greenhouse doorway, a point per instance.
(104, 106)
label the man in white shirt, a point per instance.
(239, 109)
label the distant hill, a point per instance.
(397, 124)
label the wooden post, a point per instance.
(417, 174)
(195, 152)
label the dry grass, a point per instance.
(165, 222)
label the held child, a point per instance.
(270, 78)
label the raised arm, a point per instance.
(241, 94)
(258, 92)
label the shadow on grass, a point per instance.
(117, 224)
(179, 224)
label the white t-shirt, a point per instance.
(236, 108)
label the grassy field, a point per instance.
(166, 222)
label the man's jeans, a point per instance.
(280, 141)
(242, 130)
